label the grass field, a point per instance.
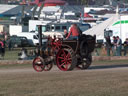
(13, 54)
(104, 78)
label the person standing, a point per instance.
(108, 45)
(2, 49)
(114, 46)
(74, 32)
(125, 46)
(119, 46)
(9, 43)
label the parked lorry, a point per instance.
(32, 37)
(17, 30)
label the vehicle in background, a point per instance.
(18, 41)
(15, 41)
(24, 41)
(15, 29)
(32, 37)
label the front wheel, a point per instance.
(38, 64)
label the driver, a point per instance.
(74, 31)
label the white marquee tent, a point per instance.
(98, 30)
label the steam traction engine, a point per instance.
(66, 54)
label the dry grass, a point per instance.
(93, 82)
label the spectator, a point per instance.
(37, 52)
(65, 33)
(96, 53)
(114, 46)
(1, 43)
(74, 31)
(119, 46)
(125, 46)
(31, 53)
(108, 45)
(9, 44)
(103, 51)
(2, 49)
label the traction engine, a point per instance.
(66, 54)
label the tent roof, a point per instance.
(98, 30)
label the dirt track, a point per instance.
(101, 79)
(55, 69)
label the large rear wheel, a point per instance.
(38, 64)
(66, 60)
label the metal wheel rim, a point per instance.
(38, 64)
(64, 60)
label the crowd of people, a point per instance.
(116, 46)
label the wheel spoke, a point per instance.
(57, 48)
(68, 55)
(61, 58)
(38, 68)
(64, 54)
(59, 44)
(69, 59)
(62, 64)
(69, 62)
(66, 65)
(48, 67)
